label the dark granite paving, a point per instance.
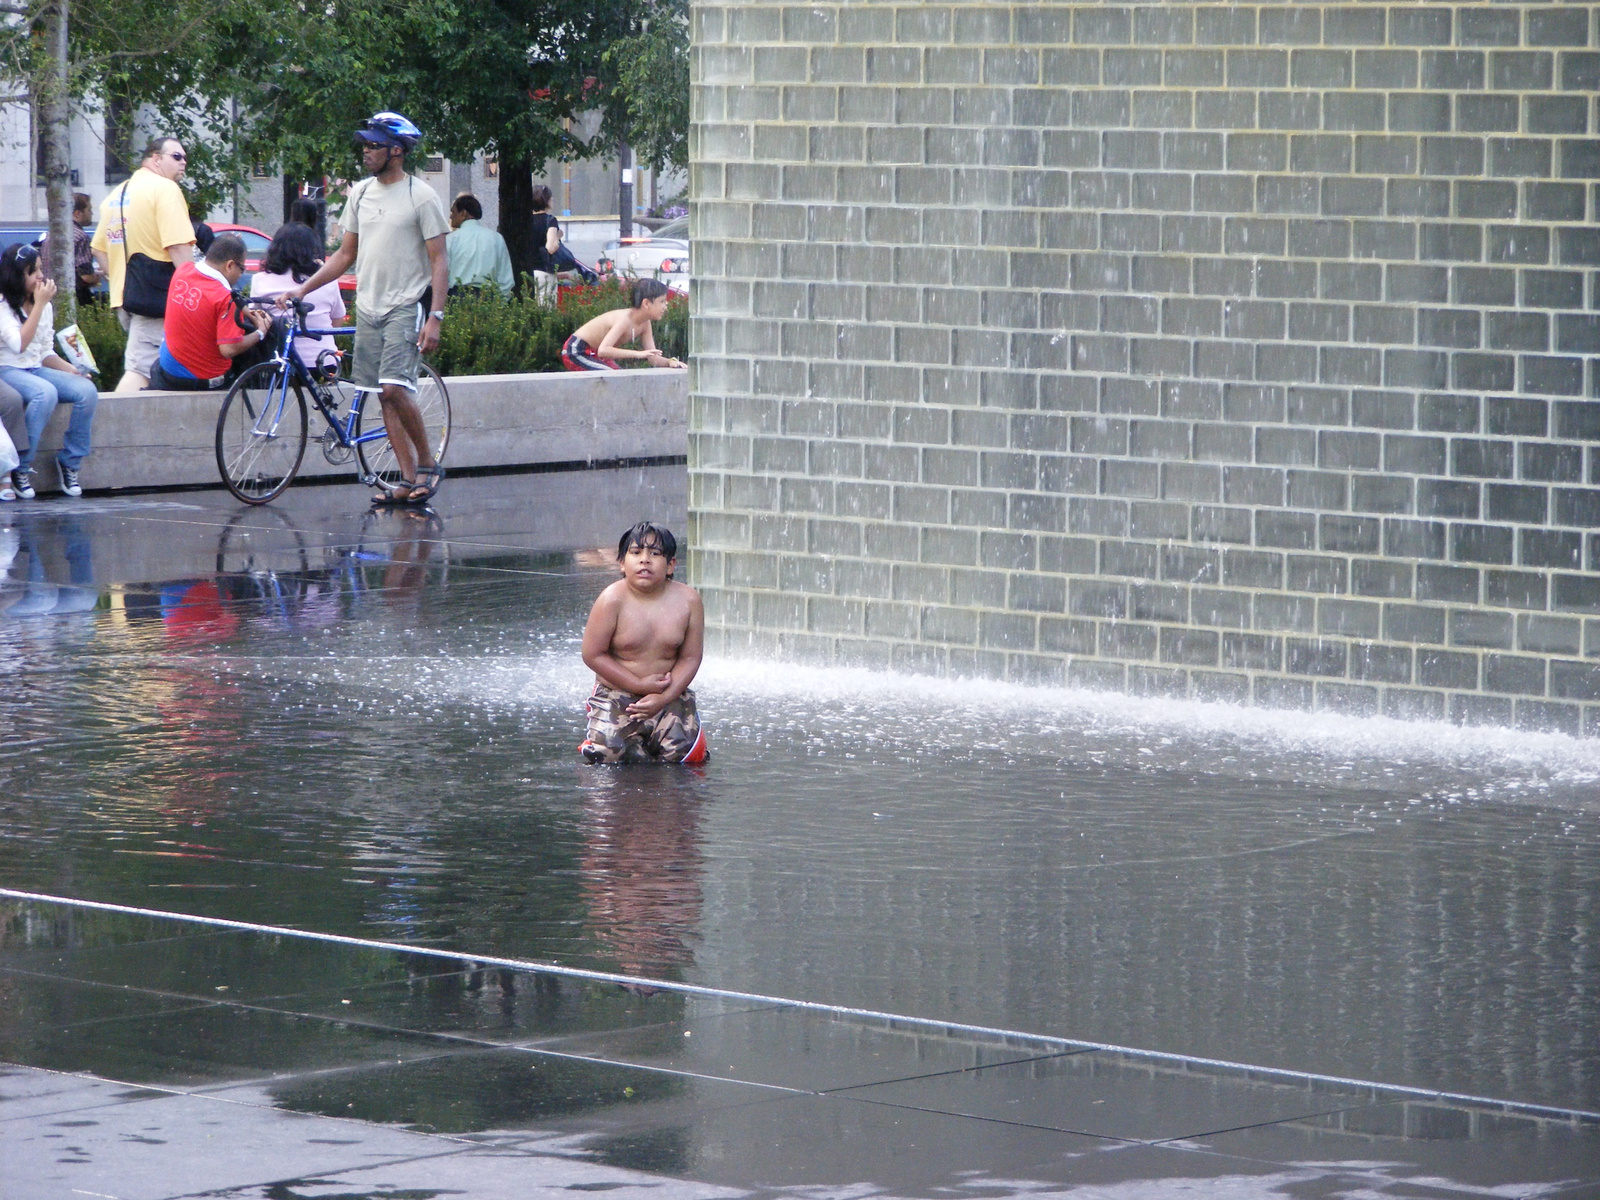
(362, 724)
(321, 1070)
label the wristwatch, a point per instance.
(437, 314)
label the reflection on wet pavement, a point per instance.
(603, 1085)
(365, 724)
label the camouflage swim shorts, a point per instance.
(673, 735)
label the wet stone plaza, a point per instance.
(900, 937)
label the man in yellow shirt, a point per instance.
(147, 215)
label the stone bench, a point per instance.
(166, 439)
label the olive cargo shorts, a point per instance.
(673, 735)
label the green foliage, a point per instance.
(482, 335)
(653, 70)
(170, 59)
(99, 327)
(285, 81)
(507, 74)
(495, 75)
(309, 73)
(489, 335)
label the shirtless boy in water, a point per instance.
(643, 643)
(601, 342)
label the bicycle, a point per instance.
(262, 428)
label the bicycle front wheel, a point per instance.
(433, 402)
(261, 433)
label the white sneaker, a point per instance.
(22, 480)
(69, 482)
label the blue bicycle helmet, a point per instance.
(391, 129)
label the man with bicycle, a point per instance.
(394, 234)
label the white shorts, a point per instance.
(144, 341)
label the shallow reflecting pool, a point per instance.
(257, 1066)
(364, 724)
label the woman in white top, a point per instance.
(293, 257)
(29, 364)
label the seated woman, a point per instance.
(30, 365)
(14, 421)
(294, 257)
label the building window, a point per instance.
(491, 167)
(119, 139)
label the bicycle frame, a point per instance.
(292, 368)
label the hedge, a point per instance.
(487, 335)
(99, 327)
(481, 335)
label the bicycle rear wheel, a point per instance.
(261, 433)
(433, 401)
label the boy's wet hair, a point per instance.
(646, 534)
(647, 289)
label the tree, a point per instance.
(35, 48)
(506, 77)
(512, 89)
(286, 81)
(116, 48)
(653, 71)
(312, 70)
(52, 103)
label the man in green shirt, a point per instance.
(394, 236)
(478, 256)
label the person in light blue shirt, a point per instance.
(478, 256)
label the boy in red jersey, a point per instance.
(202, 336)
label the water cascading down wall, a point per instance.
(1226, 351)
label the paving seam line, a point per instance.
(932, 1025)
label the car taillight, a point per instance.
(669, 265)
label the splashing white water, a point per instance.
(848, 713)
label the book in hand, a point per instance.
(75, 349)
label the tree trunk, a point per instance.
(516, 216)
(52, 103)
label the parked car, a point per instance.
(255, 249)
(255, 242)
(663, 255)
(27, 232)
(30, 233)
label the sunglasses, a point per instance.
(26, 254)
(365, 146)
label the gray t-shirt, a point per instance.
(393, 222)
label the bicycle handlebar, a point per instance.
(283, 323)
(300, 306)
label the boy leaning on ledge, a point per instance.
(601, 342)
(643, 641)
